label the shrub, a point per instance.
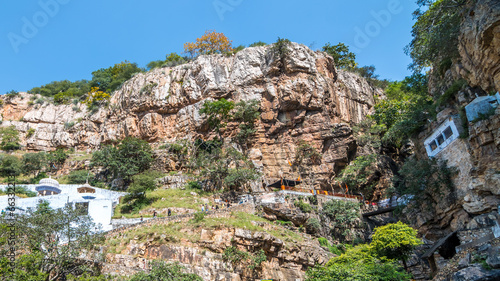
(11, 94)
(358, 172)
(30, 132)
(303, 206)
(343, 215)
(69, 125)
(194, 185)
(198, 217)
(451, 92)
(161, 271)
(79, 176)
(258, 43)
(110, 79)
(24, 190)
(33, 163)
(313, 225)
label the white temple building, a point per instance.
(96, 202)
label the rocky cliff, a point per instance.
(480, 45)
(305, 99)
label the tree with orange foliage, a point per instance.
(210, 43)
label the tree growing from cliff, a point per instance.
(341, 55)
(435, 33)
(395, 241)
(210, 43)
(96, 98)
(246, 113)
(217, 113)
(10, 138)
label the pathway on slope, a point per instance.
(164, 220)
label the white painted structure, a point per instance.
(98, 203)
(481, 105)
(443, 136)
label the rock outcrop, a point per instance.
(305, 99)
(480, 45)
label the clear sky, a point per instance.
(50, 40)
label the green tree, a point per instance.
(421, 179)
(130, 157)
(111, 78)
(342, 214)
(10, 138)
(161, 271)
(10, 165)
(280, 49)
(64, 90)
(357, 174)
(395, 241)
(79, 176)
(53, 240)
(217, 113)
(246, 113)
(141, 183)
(172, 59)
(341, 55)
(435, 33)
(34, 163)
(358, 264)
(222, 168)
(56, 158)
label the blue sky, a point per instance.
(51, 40)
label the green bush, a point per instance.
(11, 94)
(258, 43)
(161, 271)
(69, 125)
(198, 217)
(23, 190)
(30, 132)
(313, 225)
(343, 215)
(194, 185)
(451, 92)
(303, 206)
(79, 176)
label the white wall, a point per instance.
(440, 131)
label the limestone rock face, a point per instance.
(480, 45)
(285, 261)
(302, 98)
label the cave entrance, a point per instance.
(446, 247)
